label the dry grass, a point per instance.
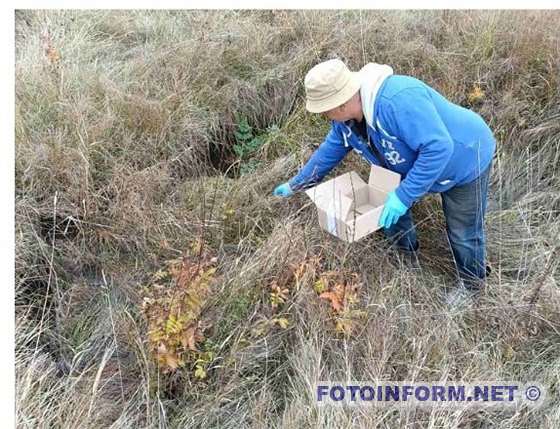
(125, 157)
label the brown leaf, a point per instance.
(167, 358)
(336, 303)
(188, 340)
(171, 360)
(53, 55)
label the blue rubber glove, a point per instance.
(393, 210)
(283, 190)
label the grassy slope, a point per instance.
(129, 135)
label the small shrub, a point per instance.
(172, 306)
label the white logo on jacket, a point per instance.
(393, 156)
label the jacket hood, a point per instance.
(372, 76)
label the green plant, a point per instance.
(247, 144)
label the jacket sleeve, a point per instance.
(419, 125)
(321, 162)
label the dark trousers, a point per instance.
(464, 208)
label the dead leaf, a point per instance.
(189, 340)
(344, 326)
(171, 361)
(53, 55)
(167, 358)
(336, 303)
(282, 322)
(477, 94)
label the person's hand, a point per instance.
(393, 210)
(283, 190)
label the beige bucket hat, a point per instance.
(328, 85)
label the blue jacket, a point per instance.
(432, 143)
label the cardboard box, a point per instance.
(348, 207)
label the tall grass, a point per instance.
(125, 135)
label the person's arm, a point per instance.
(419, 125)
(321, 162)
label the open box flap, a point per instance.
(335, 196)
(383, 179)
